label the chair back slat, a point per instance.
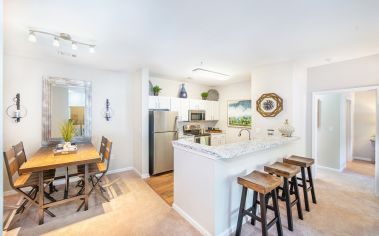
(11, 164)
(102, 145)
(20, 153)
(108, 149)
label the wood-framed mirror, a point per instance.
(62, 100)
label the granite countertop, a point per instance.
(233, 150)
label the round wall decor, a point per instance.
(269, 105)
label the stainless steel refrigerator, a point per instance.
(162, 131)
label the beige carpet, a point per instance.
(346, 206)
(135, 210)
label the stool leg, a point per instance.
(241, 211)
(254, 209)
(311, 184)
(305, 191)
(288, 204)
(277, 213)
(262, 202)
(297, 195)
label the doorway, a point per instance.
(345, 125)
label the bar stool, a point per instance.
(288, 172)
(303, 163)
(265, 185)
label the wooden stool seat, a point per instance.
(283, 169)
(299, 161)
(31, 179)
(265, 185)
(260, 182)
(305, 164)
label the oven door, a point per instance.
(196, 115)
(205, 140)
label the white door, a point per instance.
(194, 104)
(176, 106)
(209, 110)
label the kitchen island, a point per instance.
(206, 192)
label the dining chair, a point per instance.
(21, 158)
(19, 182)
(98, 170)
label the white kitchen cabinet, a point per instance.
(216, 110)
(181, 105)
(197, 104)
(156, 102)
(218, 139)
(212, 111)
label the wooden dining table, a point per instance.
(44, 159)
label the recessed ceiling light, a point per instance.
(208, 74)
(56, 42)
(74, 46)
(91, 49)
(32, 37)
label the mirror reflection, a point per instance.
(67, 103)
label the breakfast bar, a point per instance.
(206, 191)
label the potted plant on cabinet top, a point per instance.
(204, 95)
(156, 90)
(67, 132)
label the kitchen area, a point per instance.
(193, 119)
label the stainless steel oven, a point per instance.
(196, 115)
(204, 139)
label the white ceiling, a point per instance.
(173, 37)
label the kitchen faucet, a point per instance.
(239, 134)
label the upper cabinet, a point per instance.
(182, 105)
(212, 111)
(156, 102)
(197, 104)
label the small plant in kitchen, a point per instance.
(156, 90)
(68, 131)
(204, 95)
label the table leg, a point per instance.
(86, 187)
(67, 182)
(40, 197)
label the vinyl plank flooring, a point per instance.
(163, 185)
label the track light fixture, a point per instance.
(62, 36)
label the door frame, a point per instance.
(315, 120)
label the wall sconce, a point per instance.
(16, 111)
(108, 110)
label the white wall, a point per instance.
(288, 80)
(328, 134)
(356, 73)
(140, 129)
(171, 88)
(364, 124)
(24, 75)
(236, 91)
(1, 100)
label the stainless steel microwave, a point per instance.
(196, 115)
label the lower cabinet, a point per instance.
(218, 139)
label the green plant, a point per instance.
(156, 90)
(67, 131)
(204, 95)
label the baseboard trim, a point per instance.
(362, 158)
(193, 222)
(329, 168)
(120, 170)
(143, 176)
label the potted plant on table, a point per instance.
(204, 95)
(156, 90)
(67, 132)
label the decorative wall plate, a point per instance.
(213, 95)
(269, 105)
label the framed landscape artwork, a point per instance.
(239, 113)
